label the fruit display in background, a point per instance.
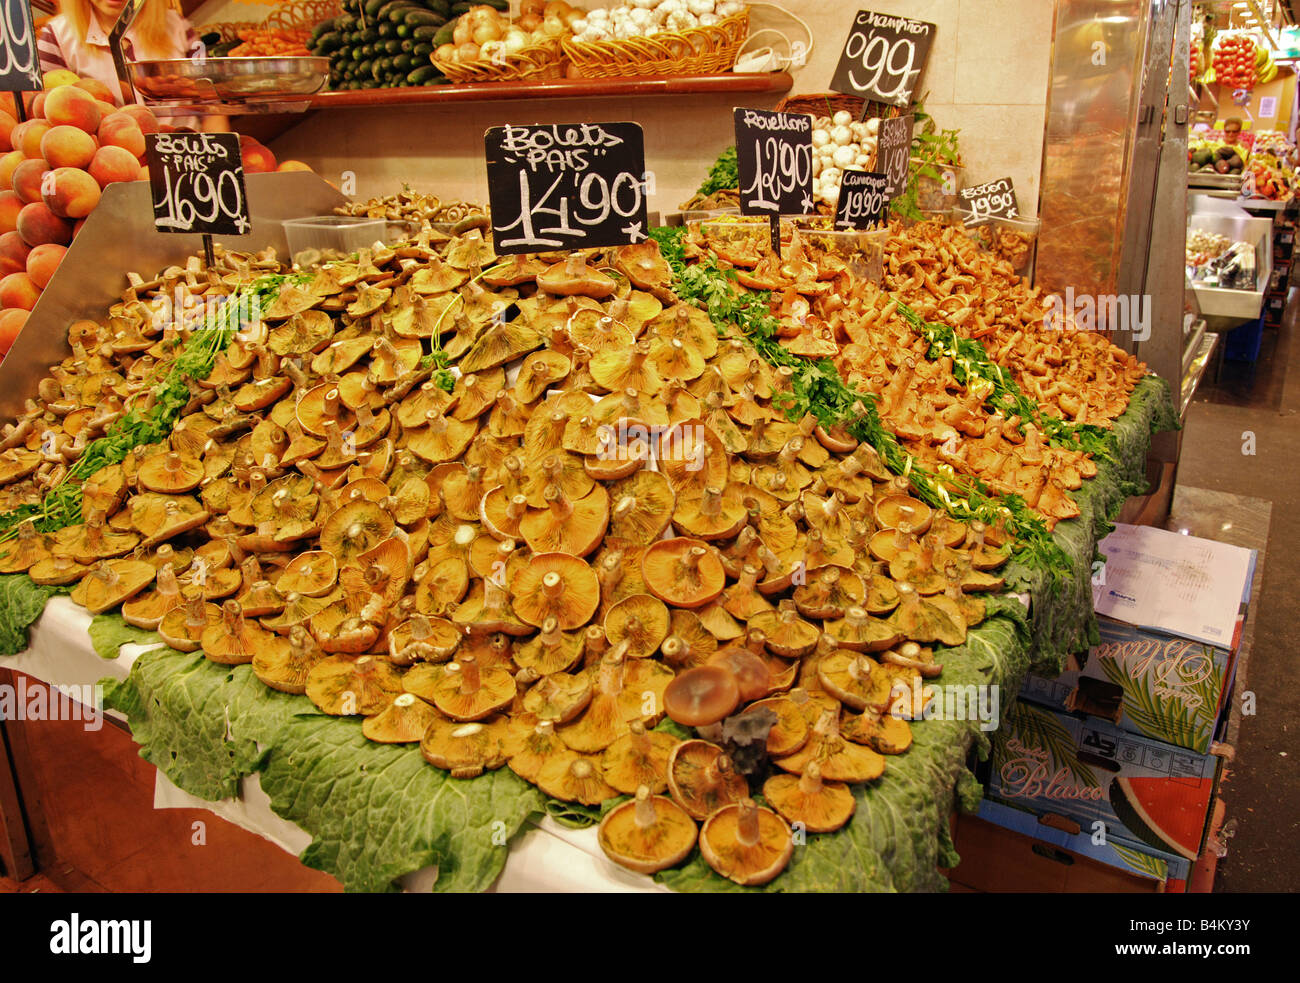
(53, 168)
(256, 157)
(1235, 60)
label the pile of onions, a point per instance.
(484, 33)
(839, 142)
(644, 18)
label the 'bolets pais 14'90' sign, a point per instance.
(197, 181)
(993, 199)
(20, 67)
(883, 57)
(566, 186)
(774, 158)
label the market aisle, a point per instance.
(1220, 426)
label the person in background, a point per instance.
(77, 39)
(1231, 156)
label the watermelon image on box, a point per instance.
(1173, 823)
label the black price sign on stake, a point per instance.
(197, 182)
(20, 67)
(894, 151)
(995, 199)
(566, 186)
(883, 57)
(862, 199)
(774, 159)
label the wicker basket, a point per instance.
(301, 13)
(695, 51)
(830, 103)
(537, 61)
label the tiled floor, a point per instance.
(1225, 493)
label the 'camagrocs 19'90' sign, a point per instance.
(566, 186)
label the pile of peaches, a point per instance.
(74, 143)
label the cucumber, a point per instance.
(363, 68)
(438, 35)
(391, 5)
(422, 75)
(408, 45)
(326, 43)
(422, 18)
(386, 29)
(397, 13)
(422, 51)
(345, 23)
(438, 7)
(404, 64)
(324, 27)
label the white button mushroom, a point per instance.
(842, 118)
(873, 126)
(842, 136)
(844, 156)
(820, 138)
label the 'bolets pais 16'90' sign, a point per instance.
(20, 67)
(197, 181)
(566, 186)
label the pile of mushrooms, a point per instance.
(605, 521)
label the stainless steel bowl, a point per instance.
(229, 79)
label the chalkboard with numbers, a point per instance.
(894, 151)
(20, 67)
(774, 158)
(862, 199)
(197, 181)
(994, 199)
(566, 186)
(883, 57)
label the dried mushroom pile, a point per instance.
(941, 413)
(601, 519)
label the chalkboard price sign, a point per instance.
(197, 181)
(995, 199)
(566, 186)
(894, 150)
(862, 199)
(774, 158)
(20, 68)
(883, 57)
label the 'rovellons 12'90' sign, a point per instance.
(774, 158)
(883, 57)
(566, 186)
(197, 181)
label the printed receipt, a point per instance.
(1173, 583)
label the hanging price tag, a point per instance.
(883, 57)
(894, 151)
(862, 199)
(197, 181)
(995, 199)
(774, 158)
(566, 186)
(20, 67)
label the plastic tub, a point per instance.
(317, 237)
(1012, 239)
(938, 193)
(862, 250)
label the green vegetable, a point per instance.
(109, 632)
(725, 173)
(21, 603)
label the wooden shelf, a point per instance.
(558, 89)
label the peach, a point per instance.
(38, 104)
(29, 177)
(10, 206)
(75, 193)
(121, 130)
(7, 124)
(37, 224)
(11, 322)
(143, 117)
(144, 173)
(8, 164)
(60, 76)
(27, 137)
(258, 159)
(43, 261)
(292, 165)
(96, 88)
(112, 164)
(77, 228)
(69, 106)
(67, 146)
(17, 290)
(13, 253)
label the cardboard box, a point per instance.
(1130, 789)
(1008, 849)
(1149, 683)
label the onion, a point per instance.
(467, 51)
(491, 48)
(529, 22)
(553, 27)
(486, 31)
(445, 52)
(462, 32)
(555, 8)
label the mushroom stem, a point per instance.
(645, 808)
(595, 644)
(747, 822)
(810, 782)
(470, 680)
